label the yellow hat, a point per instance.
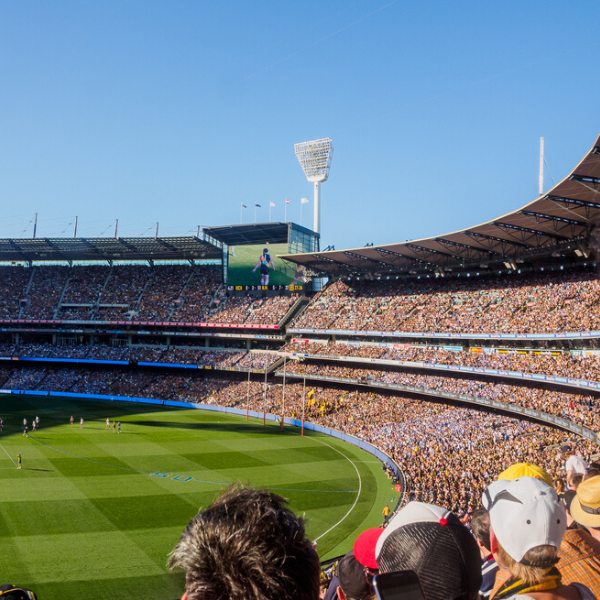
(585, 507)
(526, 470)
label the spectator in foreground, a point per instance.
(354, 582)
(575, 480)
(528, 522)
(480, 526)
(364, 549)
(247, 545)
(433, 543)
(526, 470)
(585, 507)
(579, 552)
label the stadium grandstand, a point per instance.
(455, 355)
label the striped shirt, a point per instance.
(489, 568)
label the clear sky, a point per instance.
(178, 111)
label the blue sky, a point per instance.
(176, 112)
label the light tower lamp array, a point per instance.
(315, 159)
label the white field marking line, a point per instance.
(357, 494)
(9, 456)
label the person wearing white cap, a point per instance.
(528, 522)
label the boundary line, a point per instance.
(357, 494)
(9, 456)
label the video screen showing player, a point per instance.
(265, 262)
(254, 265)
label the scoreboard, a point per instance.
(265, 288)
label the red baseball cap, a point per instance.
(364, 547)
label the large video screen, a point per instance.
(251, 266)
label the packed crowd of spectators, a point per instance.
(218, 358)
(162, 293)
(561, 364)
(579, 408)
(258, 311)
(540, 302)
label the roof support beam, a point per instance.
(55, 249)
(562, 200)
(386, 252)
(93, 248)
(578, 208)
(18, 249)
(366, 261)
(508, 227)
(541, 216)
(470, 249)
(169, 247)
(423, 250)
(587, 179)
(506, 246)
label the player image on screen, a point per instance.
(243, 268)
(263, 262)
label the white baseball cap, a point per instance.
(525, 513)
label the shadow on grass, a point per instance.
(249, 429)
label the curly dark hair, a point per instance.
(247, 545)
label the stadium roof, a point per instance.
(558, 223)
(254, 233)
(98, 249)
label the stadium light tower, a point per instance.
(315, 159)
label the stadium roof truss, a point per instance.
(108, 249)
(558, 223)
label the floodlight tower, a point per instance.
(315, 159)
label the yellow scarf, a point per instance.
(513, 586)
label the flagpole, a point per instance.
(255, 213)
(248, 397)
(241, 209)
(303, 403)
(302, 201)
(265, 399)
(270, 207)
(285, 212)
(283, 394)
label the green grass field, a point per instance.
(94, 514)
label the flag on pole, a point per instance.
(287, 200)
(304, 200)
(244, 206)
(272, 203)
(258, 205)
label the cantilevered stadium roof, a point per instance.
(558, 223)
(108, 249)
